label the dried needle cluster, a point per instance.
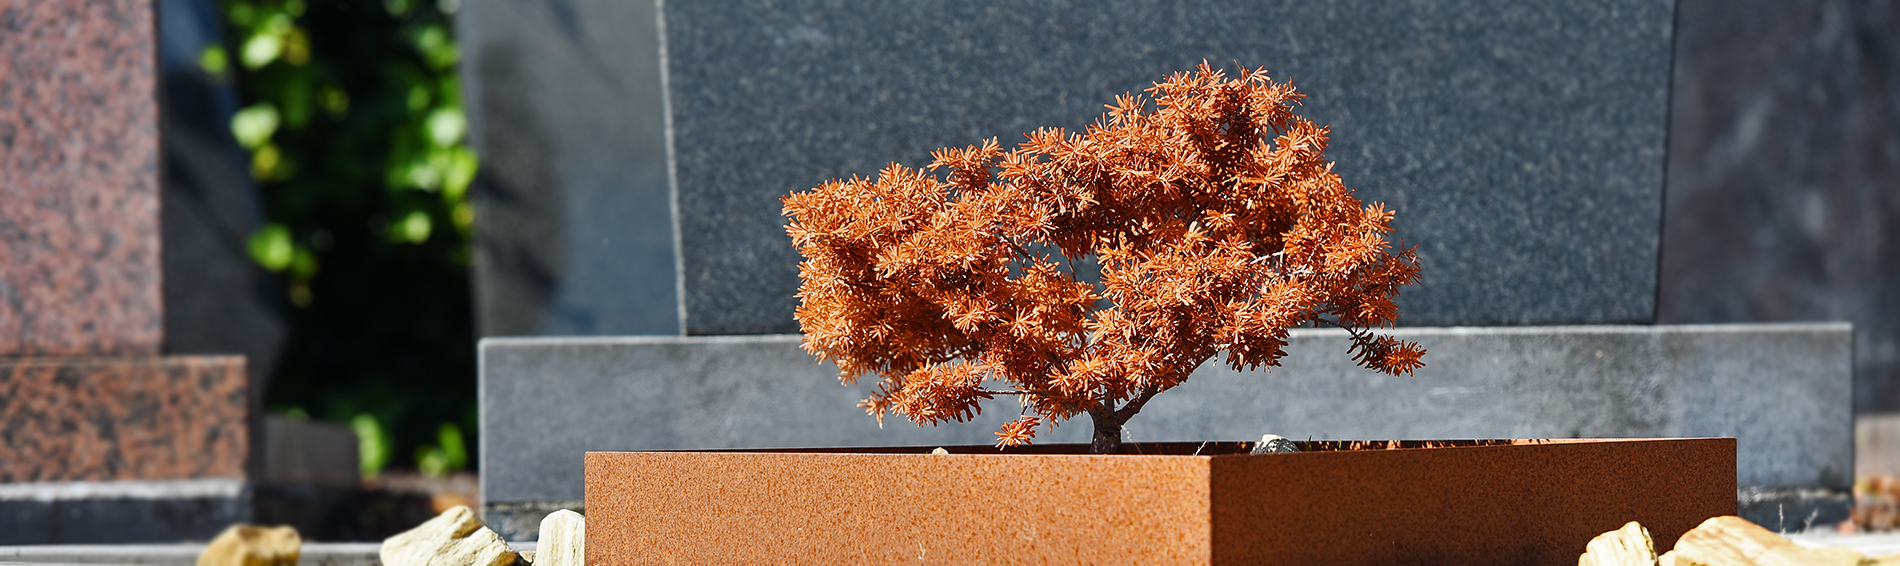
(1210, 207)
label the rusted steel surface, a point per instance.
(1523, 504)
(1474, 502)
(736, 508)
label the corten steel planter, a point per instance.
(1414, 502)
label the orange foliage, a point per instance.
(1208, 204)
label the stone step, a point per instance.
(314, 554)
(1782, 390)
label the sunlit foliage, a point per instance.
(351, 115)
(1208, 204)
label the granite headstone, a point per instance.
(107, 440)
(217, 300)
(79, 248)
(1784, 175)
(574, 231)
(1521, 144)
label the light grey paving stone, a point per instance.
(1870, 544)
(1520, 144)
(313, 554)
(345, 554)
(157, 554)
(1782, 390)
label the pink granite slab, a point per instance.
(139, 418)
(79, 233)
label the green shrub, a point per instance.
(352, 115)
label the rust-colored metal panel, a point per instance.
(1464, 502)
(787, 508)
(1531, 503)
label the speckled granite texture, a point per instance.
(145, 418)
(1521, 144)
(79, 241)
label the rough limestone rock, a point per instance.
(454, 538)
(563, 540)
(1628, 546)
(1274, 444)
(1733, 541)
(252, 545)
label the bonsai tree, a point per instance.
(1208, 206)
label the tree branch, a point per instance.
(1134, 406)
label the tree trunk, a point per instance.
(1108, 433)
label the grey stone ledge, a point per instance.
(1783, 390)
(1870, 544)
(314, 554)
(151, 489)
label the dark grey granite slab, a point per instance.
(1782, 391)
(574, 231)
(1784, 174)
(121, 512)
(1520, 143)
(217, 299)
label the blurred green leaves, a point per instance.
(273, 248)
(254, 125)
(287, 85)
(352, 115)
(446, 126)
(414, 227)
(213, 60)
(374, 444)
(449, 453)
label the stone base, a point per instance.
(1782, 390)
(161, 449)
(314, 554)
(171, 511)
(124, 419)
(120, 449)
(125, 449)
(121, 512)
